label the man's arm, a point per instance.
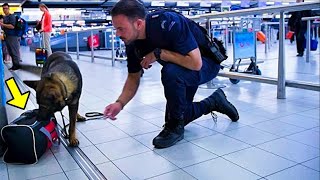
(11, 23)
(130, 88)
(191, 61)
(8, 26)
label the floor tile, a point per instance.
(207, 117)
(309, 137)
(89, 100)
(134, 129)
(147, 112)
(251, 135)
(47, 165)
(138, 106)
(92, 125)
(252, 158)
(157, 121)
(105, 135)
(222, 124)
(270, 113)
(313, 164)
(122, 148)
(150, 115)
(64, 159)
(219, 169)
(76, 175)
(95, 156)
(3, 172)
(185, 154)
(159, 105)
(110, 171)
(193, 131)
(313, 113)
(220, 144)
(291, 150)
(308, 102)
(301, 121)
(278, 128)
(125, 118)
(60, 176)
(291, 107)
(296, 173)
(174, 175)
(249, 118)
(150, 165)
(83, 141)
(316, 129)
(243, 106)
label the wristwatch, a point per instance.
(157, 53)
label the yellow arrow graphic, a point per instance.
(19, 100)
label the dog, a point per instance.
(60, 85)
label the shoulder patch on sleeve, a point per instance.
(155, 16)
(171, 25)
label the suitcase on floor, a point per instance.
(261, 37)
(41, 55)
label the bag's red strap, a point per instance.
(51, 133)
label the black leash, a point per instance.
(93, 115)
(64, 129)
(90, 116)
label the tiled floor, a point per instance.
(274, 138)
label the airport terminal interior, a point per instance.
(275, 92)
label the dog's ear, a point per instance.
(32, 84)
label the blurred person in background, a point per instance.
(11, 37)
(299, 27)
(46, 27)
(5, 55)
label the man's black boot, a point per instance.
(218, 102)
(169, 136)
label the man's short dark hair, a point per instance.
(5, 4)
(131, 8)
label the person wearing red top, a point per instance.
(46, 27)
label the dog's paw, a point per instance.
(73, 142)
(66, 136)
(80, 118)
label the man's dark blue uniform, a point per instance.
(188, 59)
(172, 31)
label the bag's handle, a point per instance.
(47, 133)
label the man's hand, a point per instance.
(112, 110)
(1, 23)
(148, 60)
